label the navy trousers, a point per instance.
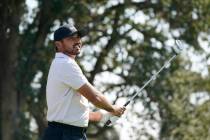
(59, 131)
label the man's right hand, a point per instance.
(118, 110)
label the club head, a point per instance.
(179, 45)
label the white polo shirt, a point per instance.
(65, 104)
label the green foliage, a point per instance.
(182, 119)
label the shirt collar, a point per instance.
(61, 55)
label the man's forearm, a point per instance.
(95, 97)
(103, 103)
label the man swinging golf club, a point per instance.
(68, 91)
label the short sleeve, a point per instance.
(72, 75)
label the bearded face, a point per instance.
(70, 45)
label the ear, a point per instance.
(58, 45)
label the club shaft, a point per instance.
(152, 78)
(179, 44)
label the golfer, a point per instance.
(69, 92)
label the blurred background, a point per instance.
(127, 42)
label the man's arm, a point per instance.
(99, 100)
(95, 97)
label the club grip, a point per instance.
(128, 102)
(108, 123)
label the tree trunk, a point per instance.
(8, 88)
(10, 14)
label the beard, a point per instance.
(74, 50)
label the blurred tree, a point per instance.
(10, 12)
(127, 39)
(186, 118)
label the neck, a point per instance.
(72, 56)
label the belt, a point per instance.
(67, 126)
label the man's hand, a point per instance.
(108, 116)
(118, 111)
(113, 116)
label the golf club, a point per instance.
(177, 50)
